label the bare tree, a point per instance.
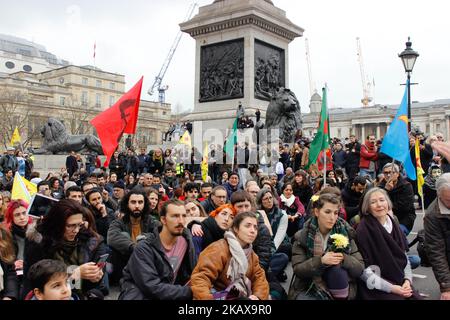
(14, 112)
(78, 116)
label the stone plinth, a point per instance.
(263, 32)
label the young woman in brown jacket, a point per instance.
(228, 268)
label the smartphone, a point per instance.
(102, 260)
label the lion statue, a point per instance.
(57, 140)
(284, 113)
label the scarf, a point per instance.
(68, 253)
(238, 267)
(18, 231)
(370, 147)
(313, 240)
(286, 201)
(382, 249)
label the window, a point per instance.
(339, 133)
(427, 128)
(10, 64)
(84, 81)
(98, 100)
(438, 127)
(62, 101)
(112, 85)
(27, 68)
(98, 83)
(111, 100)
(84, 98)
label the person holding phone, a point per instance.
(62, 235)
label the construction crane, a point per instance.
(365, 83)
(312, 86)
(159, 78)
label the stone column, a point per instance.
(378, 131)
(447, 128)
(363, 133)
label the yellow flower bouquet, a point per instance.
(339, 243)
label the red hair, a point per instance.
(223, 207)
(9, 216)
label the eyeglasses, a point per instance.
(73, 227)
(267, 199)
(387, 172)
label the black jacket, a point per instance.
(119, 234)
(208, 205)
(89, 248)
(351, 200)
(304, 193)
(10, 282)
(402, 197)
(149, 275)
(263, 245)
(102, 223)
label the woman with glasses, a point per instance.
(278, 219)
(62, 235)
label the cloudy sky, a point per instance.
(133, 38)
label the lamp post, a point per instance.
(409, 57)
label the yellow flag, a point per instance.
(31, 187)
(186, 139)
(420, 172)
(15, 137)
(205, 163)
(19, 189)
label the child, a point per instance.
(49, 281)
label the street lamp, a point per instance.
(409, 57)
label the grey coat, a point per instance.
(437, 244)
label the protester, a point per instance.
(161, 265)
(437, 235)
(324, 269)
(229, 268)
(103, 215)
(9, 286)
(62, 236)
(301, 188)
(134, 224)
(387, 274)
(49, 280)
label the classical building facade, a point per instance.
(74, 94)
(430, 117)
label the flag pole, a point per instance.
(324, 168)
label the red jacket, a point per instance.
(366, 156)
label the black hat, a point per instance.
(119, 184)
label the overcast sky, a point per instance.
(133, 38)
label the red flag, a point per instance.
(121, 118)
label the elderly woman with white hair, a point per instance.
(383, 245)
(437, 235)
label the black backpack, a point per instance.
(420, 240)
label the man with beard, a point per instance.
(161, 265)
(124, 233)
(102, 214)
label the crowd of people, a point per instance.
(149, 225)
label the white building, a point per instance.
(430, 117)
(17, 54)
